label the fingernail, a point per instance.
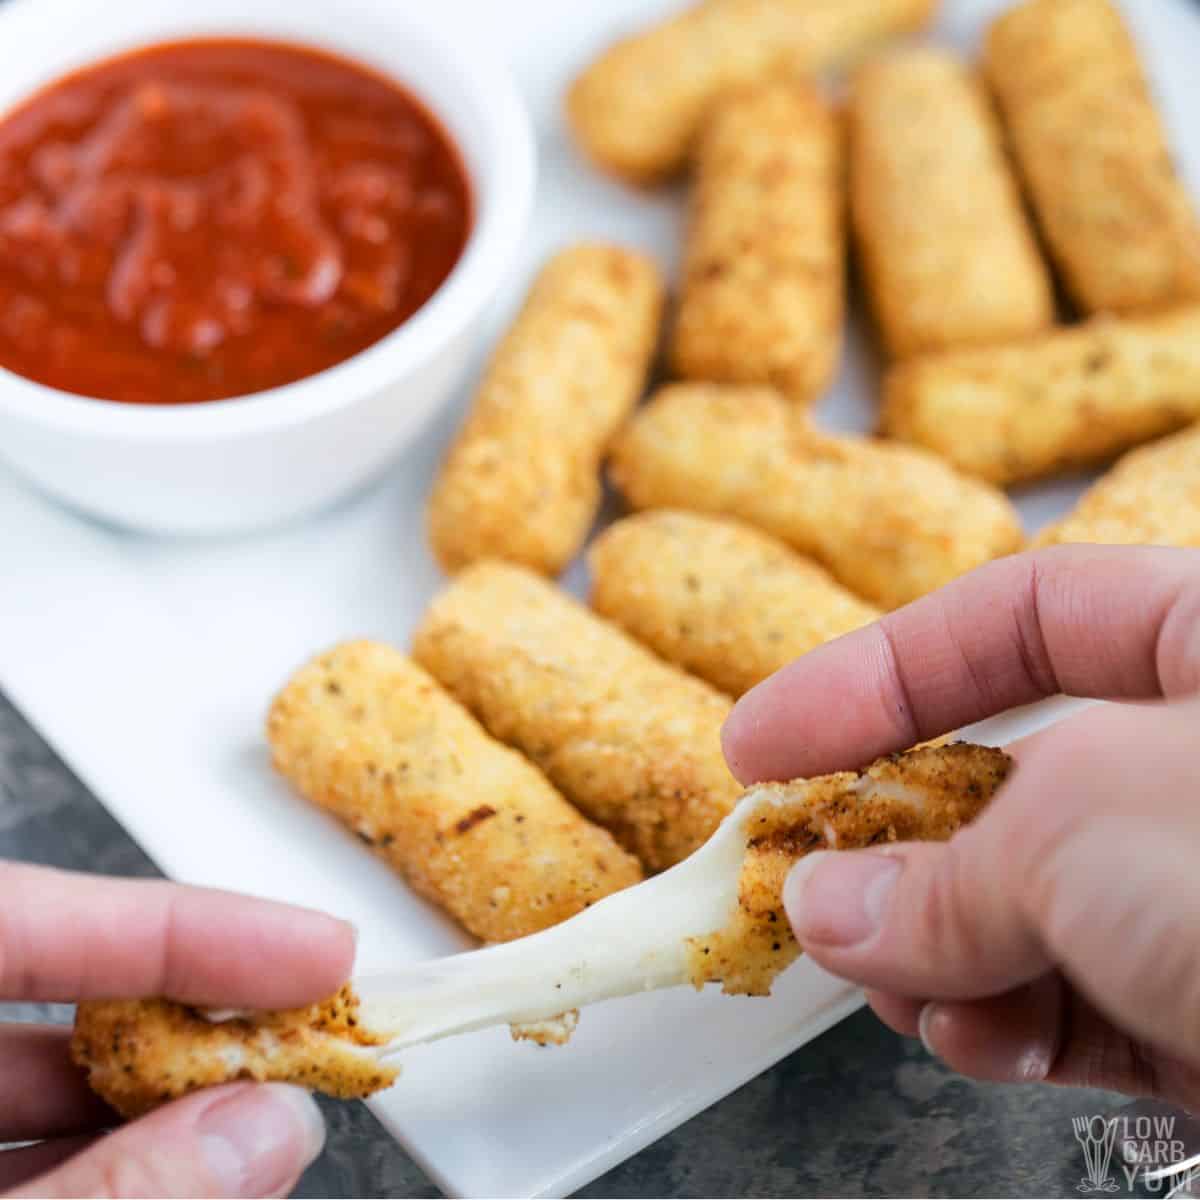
(259, 1139)
(838, 899)
(925, 1023)
(1001, 1049)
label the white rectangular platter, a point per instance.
(149, 665)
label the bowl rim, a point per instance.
(502, 200)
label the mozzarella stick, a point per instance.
(1069, 399)
(522, 480)
(764, 264)
(948, 256)
(1094, 155)
(717, 597)
(471, 825)
(633, 742)
(636, 109)
(138, 1054)
(890, 522)
(1150, 498)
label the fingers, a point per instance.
(69, 937)
(1085, 620)
(42, 1093)
(1085, 861)
(1046, 1031)
(237, 1140)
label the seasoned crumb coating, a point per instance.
(522, 479)
(925, 795)
(365, 733)
(1094, 155)
(717, 597)
(764, 263)
(139, 1054)
(632, 741)
(890, 522)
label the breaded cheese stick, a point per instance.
(947, 252)
(138, 1054)
(717, 597)
(471, 825)
(764, 264)
(1150, 498)
(635, 110)
(1068, 399)
(632, 741)
(926, 795)
(1094, 155)
(890, 522)
(522, 479)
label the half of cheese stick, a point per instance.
(1094, 154)
(632, 741)
(471, 825)
(522, 480)
(946, 248)
(1150, 498)
(890, 522)
(716, 918)
(1066, 400)
(636, 109)
(717, 597)
(762, 299)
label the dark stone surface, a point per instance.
(859, 1112)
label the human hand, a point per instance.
(1055, 938)
(67, 937)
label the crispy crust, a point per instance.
(763, 283)
(947, 252)
(1151, 497)
(947, 788)
(522, 479)
(635, 110)
(634, 742)
(1056, 403)
(1094, 155)
(141, 1053)
(717, 597)
(366, 734)
(890, 522)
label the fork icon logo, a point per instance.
(1096, 1136)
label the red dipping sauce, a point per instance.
(211, 218)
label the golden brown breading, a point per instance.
(1150, 498)
(634, 742)
(764, 266)
(365, 733)
(1069, 399)
(718, 598)
(947, 252)
(1094, 155)
(522, 479)
(141, 1053)
(636, 108)
(924, 795)
(890, 522)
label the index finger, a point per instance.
(66, 937)
(1099, 621)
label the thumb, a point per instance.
(238, 1140)
(1085, 861)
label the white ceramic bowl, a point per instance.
(231, 465)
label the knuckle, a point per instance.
(945, 928)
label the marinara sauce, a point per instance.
(210, 218)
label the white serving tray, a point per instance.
(149, 666)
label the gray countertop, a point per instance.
(858, 1112)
